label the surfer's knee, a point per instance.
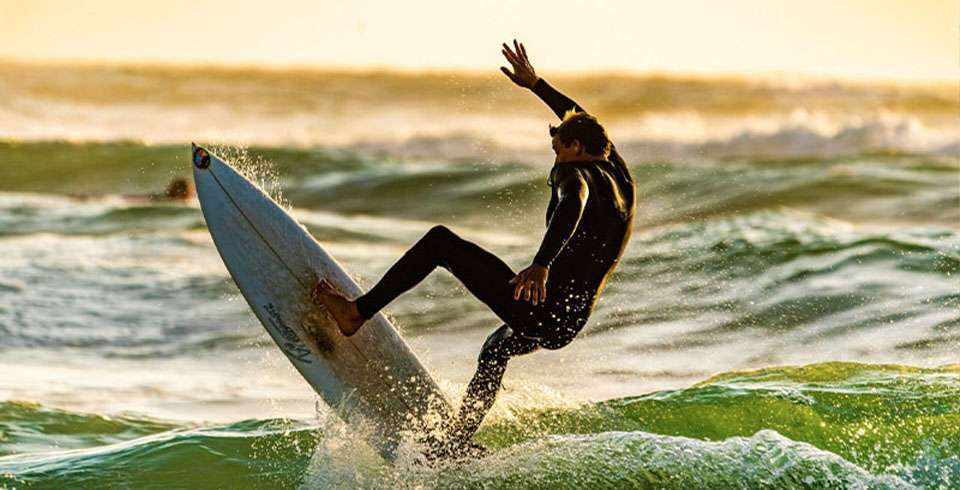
(493, 350)
(440, 232)
(440, 241)
(503, 344)
(435, 241)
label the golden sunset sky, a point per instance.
(882, 39)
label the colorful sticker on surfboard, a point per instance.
(201, 159)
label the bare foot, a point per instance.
(343, 311)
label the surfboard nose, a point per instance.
(201, 158)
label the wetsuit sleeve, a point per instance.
(557, 102)
(572, 193)
(560, 104)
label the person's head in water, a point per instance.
(179, 188)
(580, 138)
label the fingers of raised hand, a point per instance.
(510, 55)
(521, 52)
(509, 75)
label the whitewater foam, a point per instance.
(468, 117)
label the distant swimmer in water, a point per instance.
(589, 220)
(178, 190)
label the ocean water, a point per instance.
(787, 314)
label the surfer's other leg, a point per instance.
(483, 273)
(482, 391)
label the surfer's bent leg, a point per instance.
(481, 272)
(500, 346)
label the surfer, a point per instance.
(589, 220)
(178, 190)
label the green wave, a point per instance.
(268, 454)
(830, 425)
(873, 415)
(27, 427)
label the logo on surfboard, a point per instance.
(288, 342)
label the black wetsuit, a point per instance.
(589, 220)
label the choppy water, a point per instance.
(814, 225)
(832, 425)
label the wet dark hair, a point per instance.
(584, 128)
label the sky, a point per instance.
(873, 39)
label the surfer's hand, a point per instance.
(523, 73)
(531, 283)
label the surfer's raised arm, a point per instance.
(526, 77)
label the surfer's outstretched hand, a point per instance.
(523, 73)
(531, 284)
(343, 311)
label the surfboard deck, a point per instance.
(372, 380)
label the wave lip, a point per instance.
(462, 116)
(769, 137)
(641, 460)
(798, 138)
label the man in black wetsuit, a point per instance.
(589, 220)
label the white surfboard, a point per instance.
(372, 376)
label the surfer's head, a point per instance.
(178, 188)
(579, 137)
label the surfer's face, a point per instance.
(566, 152)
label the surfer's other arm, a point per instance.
(572, 192)
(530, 284)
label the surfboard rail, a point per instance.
(372, 378)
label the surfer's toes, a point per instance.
(322, 289)
(343, 311)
